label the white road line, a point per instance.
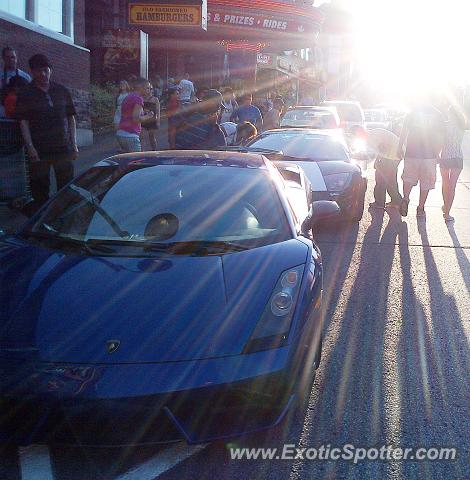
(162, 462)
(35, 462)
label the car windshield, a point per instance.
(309, 118)
(167, 203)
(348, 112)
(307, 146)
(375, 116)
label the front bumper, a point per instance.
(347, 199)
(141, 404)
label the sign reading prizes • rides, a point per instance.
(169, 15)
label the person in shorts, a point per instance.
(451, 162)
(385, 144)
(423, 133)
(132, 116)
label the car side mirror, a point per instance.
(322, 210)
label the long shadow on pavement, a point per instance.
(350, 404)
(433, 366)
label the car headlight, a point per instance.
(273, 328)
(337, 182)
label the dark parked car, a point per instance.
(325, 158)
(160, 296)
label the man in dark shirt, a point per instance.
(47, 119)
(197, 126)
(423, 133)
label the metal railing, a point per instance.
(14, 175)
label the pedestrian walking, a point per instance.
(229, 105)
(132, 116)
(151, 104)
(186, 89)
(248, 112)
(451, 162)
(385, 144)
(46, 114)
(197, 126)
(423, 133)
(172, 108)
(123, 92)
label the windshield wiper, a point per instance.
(90, 198)
(90, 246)
(197, 247)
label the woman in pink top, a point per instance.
(132, 116)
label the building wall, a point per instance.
(71, 63)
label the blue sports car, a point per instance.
(157, 297)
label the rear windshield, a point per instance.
(306, 146)
(348, 112)
(309, 118)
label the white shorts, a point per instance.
(422, 170)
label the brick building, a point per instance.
(57, 29)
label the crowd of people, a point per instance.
(206, 118)
(429, 137)
(197, 119)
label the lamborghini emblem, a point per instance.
(112, 345)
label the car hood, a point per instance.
(61, 307)
(337, 166)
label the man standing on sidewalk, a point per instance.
(47, 119)
(385, 144)
(423, 132)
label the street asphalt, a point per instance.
(394, 370)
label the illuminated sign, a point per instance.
(165, 15)
(264, 59)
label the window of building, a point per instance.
(50, 13)
(15, 7)
(55, 15)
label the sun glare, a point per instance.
(407, 45)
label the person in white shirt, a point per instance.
(186, 89)
(229, 105)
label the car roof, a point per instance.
(332, 133)
(343, 102)
(224, 159)
(311, 107)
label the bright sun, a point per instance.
(408, 45)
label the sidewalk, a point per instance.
(104, 146)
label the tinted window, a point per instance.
(210, 203)
(302, 145)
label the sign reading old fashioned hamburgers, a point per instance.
(178, 14)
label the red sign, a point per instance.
(266, 23)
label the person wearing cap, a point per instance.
(385, 145)
(46, 114)
(197, 126)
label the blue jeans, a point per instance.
(129, 144)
